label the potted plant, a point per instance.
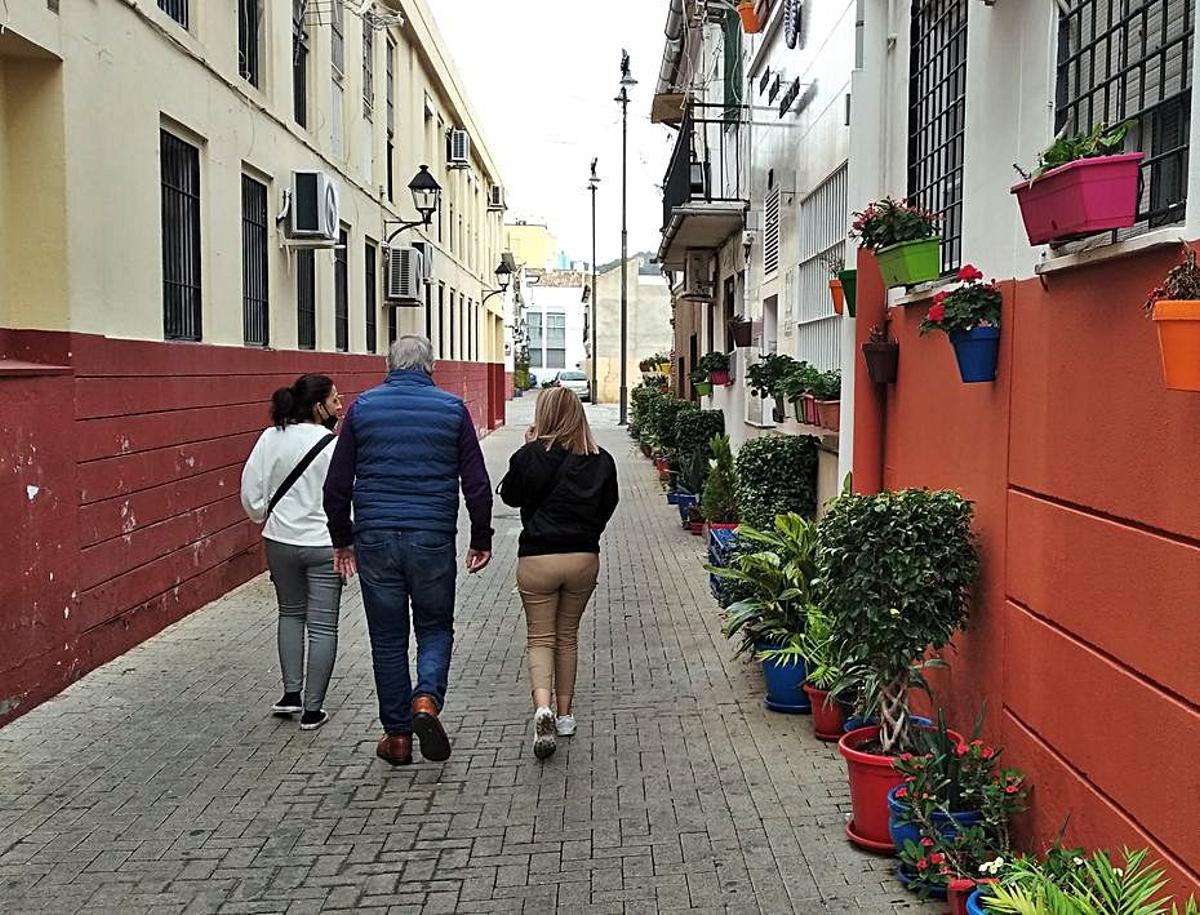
(718, 504)
(837, 289)
(741, 328)
(904, 240)
(827, 396)
(777, 568)
(749, 16)
(796, 386)
(1175, 307)
(1083, 184)
(766, 376)
(700, 383)
(716, 366)
(896, 569)
(970, 317)
(776, 474)
(694, 431)
(819, 653)
(881, 355)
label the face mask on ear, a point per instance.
(330, 421)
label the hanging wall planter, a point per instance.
(751, 24)
(703, 388)
(1178, 324)
(849, 281)
(1080, 198)
(910, 262)
(883, 360)
(976, 351)
(741, 331)
(838, 294)
(720, 378)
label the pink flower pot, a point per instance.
(719, 377)
(1080, 198)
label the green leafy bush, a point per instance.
(719, 503)
(896, 571)
(766, 376)
(640, 408)
(777, 474)
(694, 432)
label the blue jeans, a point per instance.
(399, 568)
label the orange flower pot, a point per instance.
(750, 23)
(838, 295)
(1178, 322)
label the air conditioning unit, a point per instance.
(425, 249)
(460, 149)
(405, 278)
(697, 276)
(496, 197)
(313, 215)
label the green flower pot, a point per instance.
(849, 280)
(910, 262)
(703, 388)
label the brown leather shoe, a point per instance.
(435, 745)
(395, 749)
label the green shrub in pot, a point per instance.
(776, 474)
(719, 503)
(694, 432)
(896, 573)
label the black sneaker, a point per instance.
(310, 721)
(290, 704)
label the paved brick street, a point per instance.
(159, 783)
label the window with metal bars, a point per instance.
(393, 330)
(937, 92)
(556, 341)
(771, 232)
(299, 62)
(368, 70)
(176, 9)
(391, 120)
(534, 324)
(249, 33)
(255, 300)
(341, 293)
(337, 32)
(429, 311)
(441, 321)
(1131, 60)
(306, 299)
(369, 297)
(180, 163)
(451, 347)
(823, 217)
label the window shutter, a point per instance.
(771, 232)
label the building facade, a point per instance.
(648, 323)
(555, 317)
(151, 297)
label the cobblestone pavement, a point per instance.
(159, 784)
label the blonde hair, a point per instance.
(561, 420)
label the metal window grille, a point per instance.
(180, 238)
(391, 120)
(369, 297)
(441, 321)
(771, 233)
(732, 70)
(255, 300)
(937, 92)
(176, 9)
(824, 215)
(1124, 60)
(368, 70)
(249, 25)
(556, 341)
(429, 311)
(534, 324)
(451, 348)
(306, 298)
(337, 33)
(341, 294)
(299, 62)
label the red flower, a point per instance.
(967, 273)
(937, 857)
(940, 297)
(962, 749)
(937, 311)
(905, 757)
(927, 842)
(901, 792)
(1010, 789)
(977, 743)
(987, 752)
(922, 864)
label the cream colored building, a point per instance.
(99, 100)
(532, 245)
(648, 324)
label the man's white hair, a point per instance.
(412, 352)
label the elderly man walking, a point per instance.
(403, 448)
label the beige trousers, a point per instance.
(555, 590)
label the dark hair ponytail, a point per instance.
(296, 404)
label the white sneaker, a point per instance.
(544, 742)
(565, 725)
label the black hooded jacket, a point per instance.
(565, 499)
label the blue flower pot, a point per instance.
(684, 501)
(976, 350)
(785, 683)
(947, 825)
(673, 498)
(975, 904)
(853, 724)
(934, 891)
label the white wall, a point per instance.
(566, 300)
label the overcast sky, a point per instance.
(541, 78)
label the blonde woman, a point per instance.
(566, 488)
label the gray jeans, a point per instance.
(310, 595)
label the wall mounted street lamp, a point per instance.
(427, 197)
(503, 278)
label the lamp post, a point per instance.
(427, 197)
(627, 82)
(503, 277)
(593, 185)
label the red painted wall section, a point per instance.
(123, 468)
(474, 383)
(1082, 467)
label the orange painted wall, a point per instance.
(1084, 639)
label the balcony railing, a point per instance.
(707, 164)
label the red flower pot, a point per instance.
(696, 527)
(871, 778)
(719, 377)
(810, 410)
(1080, 198)
(957, 893)
(827, 716)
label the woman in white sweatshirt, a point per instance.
(282, 484)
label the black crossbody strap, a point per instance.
(298, 471)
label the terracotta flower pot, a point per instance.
(750, 21)
(1080, 198)
(1178, 323)
(838, 295)
(829, 414)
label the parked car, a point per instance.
(575, 381)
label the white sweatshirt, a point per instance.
(299, 518)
